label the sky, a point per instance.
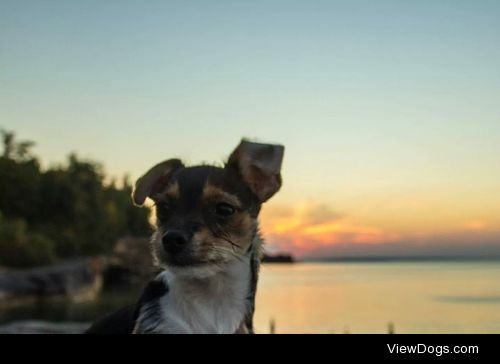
(389, 110)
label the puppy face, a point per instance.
(207, 216)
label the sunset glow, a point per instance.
(389, 110)
(309, 229)
(306, 227)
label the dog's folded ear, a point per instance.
(154, 179)
(259, 165)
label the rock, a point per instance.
(43, 327)
(131, 262)
(76, 280)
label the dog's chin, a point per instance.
(187, 267)
(198, 271)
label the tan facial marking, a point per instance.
(202, 236)
(172, 191)
(243, 223)
(243, 227)
(210, 247)
(213, 193)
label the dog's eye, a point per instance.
(224, 209)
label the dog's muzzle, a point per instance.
(174, 241)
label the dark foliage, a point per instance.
(61, 212)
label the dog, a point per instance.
(207, 244)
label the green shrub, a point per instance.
(21, 248)
(61, 212)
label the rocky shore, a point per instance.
(76, 281)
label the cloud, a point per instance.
(307, 227)
(476, 225)
(319, 214)
(451, 244)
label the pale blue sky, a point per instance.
(370, 97)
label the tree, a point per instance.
(64, 211)
(12, 149)
(19, 178)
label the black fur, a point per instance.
(119, 322)
(123, 320)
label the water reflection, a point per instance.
(367, 297)
(343, 297)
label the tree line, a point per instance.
(61, 212)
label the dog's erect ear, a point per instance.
(154, 180)
(260, 167)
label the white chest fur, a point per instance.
(213, 305)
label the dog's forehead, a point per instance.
(195, 177)
(192, 181)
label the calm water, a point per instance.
(353, 297)
(365, 297)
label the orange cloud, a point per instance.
(306, 227)
(475, 225)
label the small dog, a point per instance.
(206, 242)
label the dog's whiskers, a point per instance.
(230, 251)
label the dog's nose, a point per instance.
(174, 241)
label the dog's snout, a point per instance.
(174, 241)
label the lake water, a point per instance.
(426, 297)
(432, 297)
